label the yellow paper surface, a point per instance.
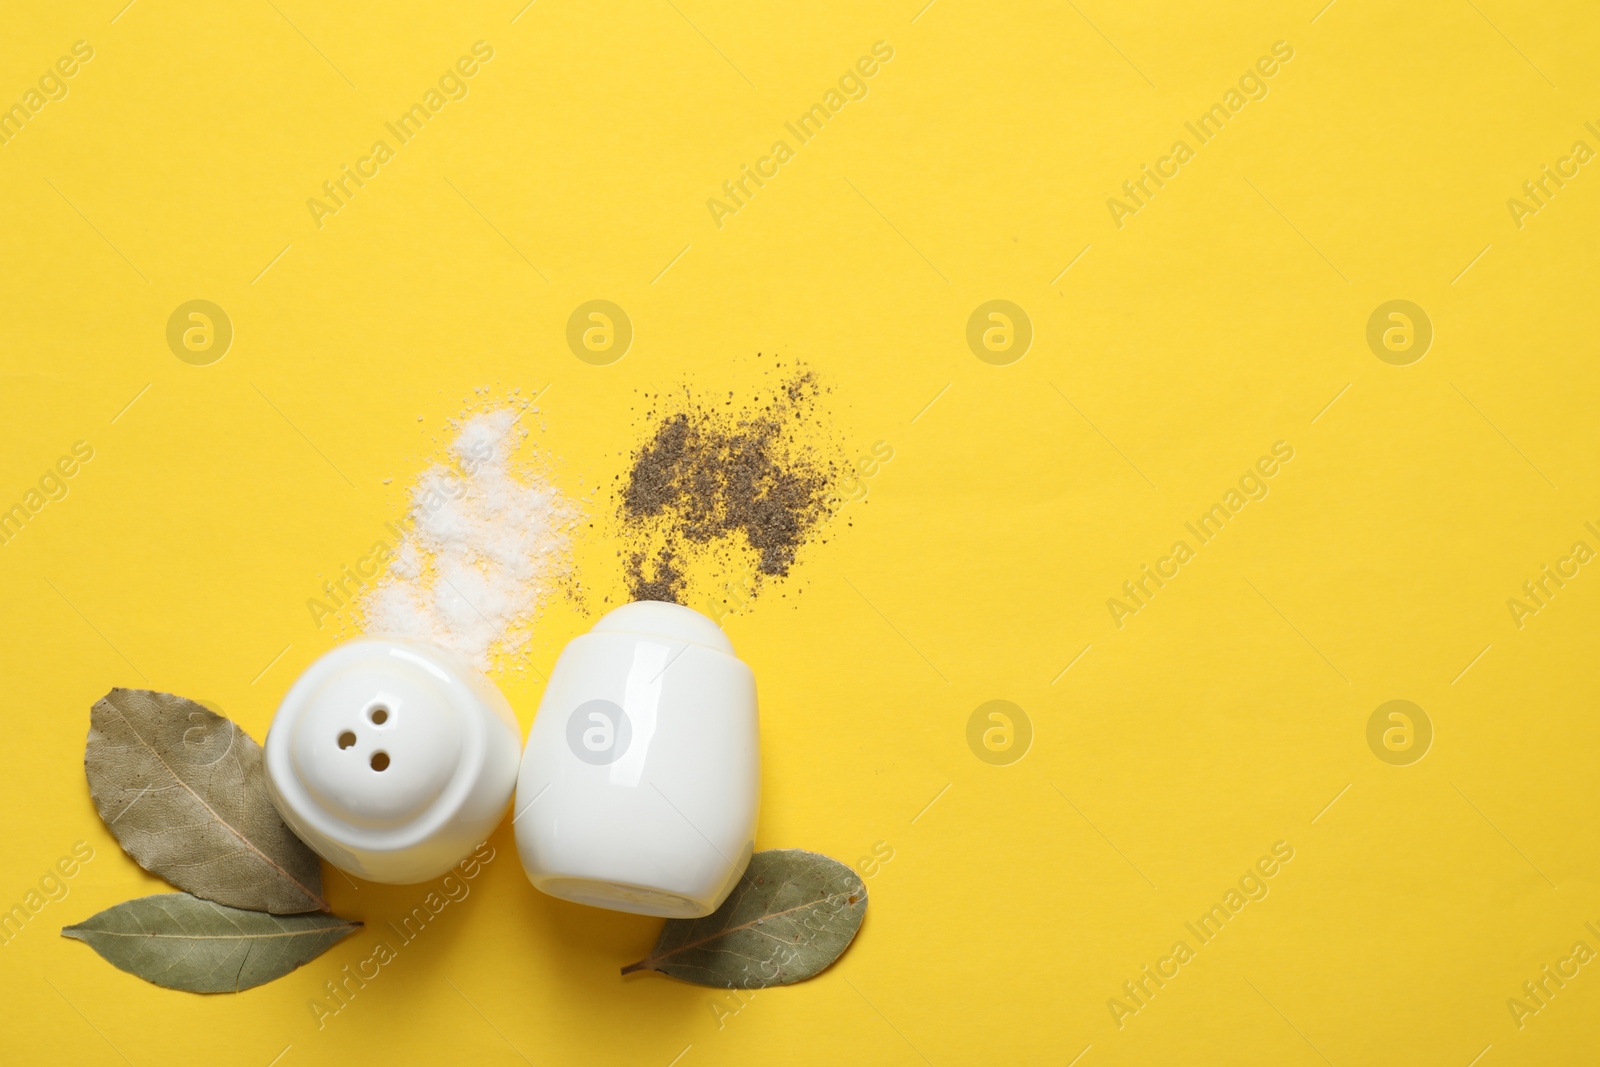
(1219, 313)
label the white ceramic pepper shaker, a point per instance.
(392, 758)
(641, 780)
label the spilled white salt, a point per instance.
(485, 548)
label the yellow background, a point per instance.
(1223, 317)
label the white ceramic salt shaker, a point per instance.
(641, 780)
(392, 758)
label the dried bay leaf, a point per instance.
(791, 915)
(182, 942)
(184, 791)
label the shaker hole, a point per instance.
(379, 716)
(347, 739)
(380, 761)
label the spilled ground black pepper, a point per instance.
(715, 481)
